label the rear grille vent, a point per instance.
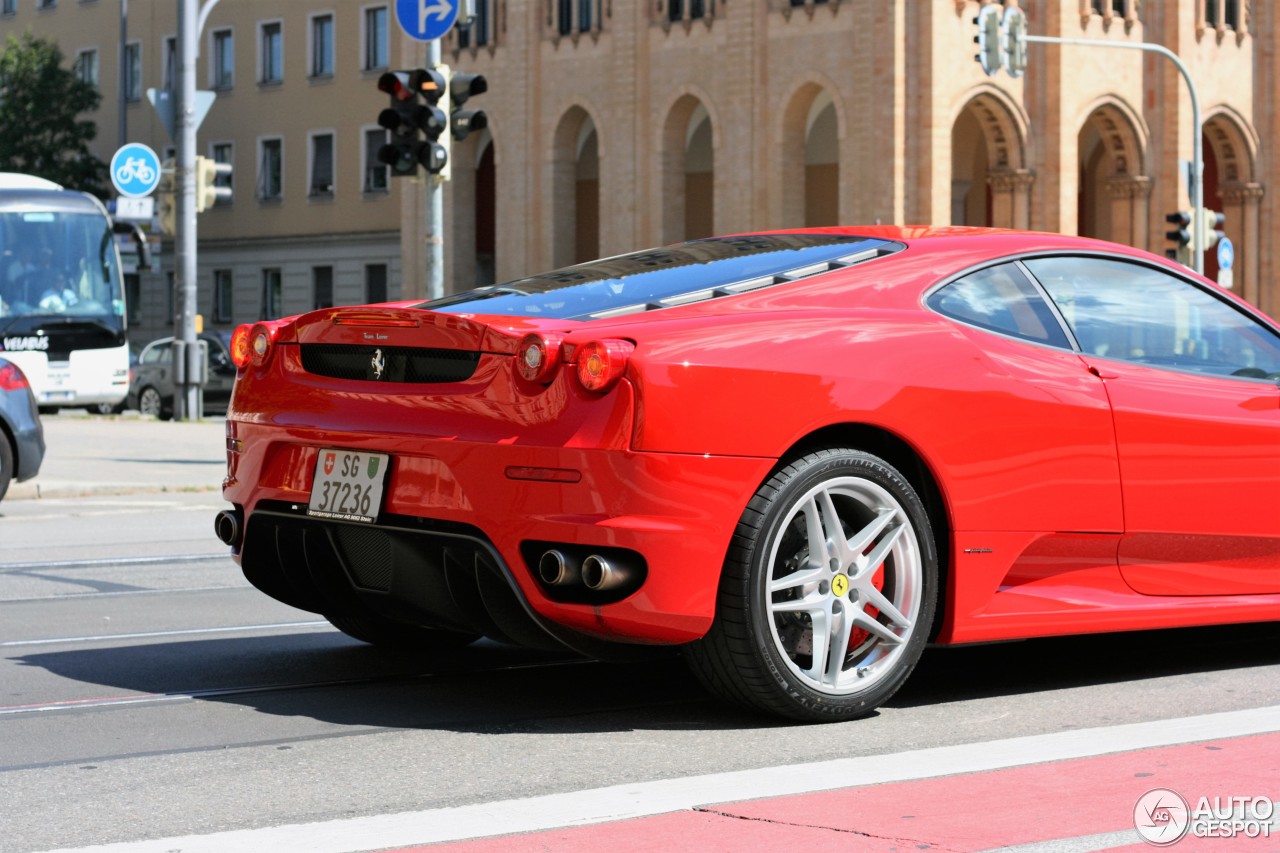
(389, 364)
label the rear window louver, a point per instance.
(758, 283)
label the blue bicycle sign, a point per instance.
(426, 20)
(135, 170)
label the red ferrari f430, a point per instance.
(799, 456)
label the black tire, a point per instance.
(399, 636)
(881, 572)
(151, 403)
(106, 408)
(6, 464)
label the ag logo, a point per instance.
(329, 460)
(840, 584)
(1161, 817)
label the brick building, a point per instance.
(616, 125)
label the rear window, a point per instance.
(672, 275)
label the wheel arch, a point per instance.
(895, 450)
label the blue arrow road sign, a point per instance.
(135, 170)
(426, 20)
(1226, 254)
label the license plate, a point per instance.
(348, 485)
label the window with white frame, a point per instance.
(223, 293)
(224, 152)
(86, 66)
(375, 171)
(222, 59)
(479, 31)
(692, 10)
(377, 38)
(271, 52)
(321, 165)
(169, 55)
(272, 294)
(133, 71)
(322, 45)
(271, 168)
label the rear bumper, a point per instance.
(451, 509)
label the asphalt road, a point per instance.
(147, 691)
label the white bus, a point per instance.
(62, 310)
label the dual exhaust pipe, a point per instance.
(596, 572)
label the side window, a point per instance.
(1131, 312)
(157, 354)
(1001, 299)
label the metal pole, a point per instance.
(186, 399)
(122, 135)
(435, 210)
(1197, 153)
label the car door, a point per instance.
(155, 368)
(220, 374)
(1192, 380)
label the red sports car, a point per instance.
(800, 456)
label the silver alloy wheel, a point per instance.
(149, 402)
(845, 585)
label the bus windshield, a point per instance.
(59, 264)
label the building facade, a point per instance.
(615, 125)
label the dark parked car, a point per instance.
(151, 388)
(21, 433)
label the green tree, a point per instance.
(40, 102)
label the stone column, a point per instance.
(1011, 197)
(1130, 199)
(1241, 204)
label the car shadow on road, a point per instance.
(491, 688)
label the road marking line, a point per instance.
(106, 562)
(175, 633)
(1091, 843)
(621, 802)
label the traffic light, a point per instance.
(416, 127)
(1213, 222)
(1181, 236)
(208, 191)
(461, 87)
(988, 38)
(1013, 41)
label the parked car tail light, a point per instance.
(538, 356)
(602, 363)
(12, 378)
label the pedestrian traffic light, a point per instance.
(1213, 222)
(1181, 236)
(208, 191)
(416, 126)
(988, 37)
(461, 87)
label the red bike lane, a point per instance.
(1068, 805)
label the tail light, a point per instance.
(602, 363)
(240, 345)
(252, 344)
(538, 356)
(11, 377)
